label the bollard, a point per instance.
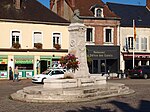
(124, 76)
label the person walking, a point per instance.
(16, 74)
(10, 73)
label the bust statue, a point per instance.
(75, 18)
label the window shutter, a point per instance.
(126, 43)
(145, 43)
(137, 43)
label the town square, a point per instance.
(74, 56)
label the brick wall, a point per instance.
(99, 26)
(60, 8)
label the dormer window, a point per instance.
(98, 12)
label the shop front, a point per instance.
(139, 59)
(46, 62)
(3, 67)
(104, 59)
(25, 66)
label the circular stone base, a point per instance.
(78, 94)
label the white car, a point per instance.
(52, 73)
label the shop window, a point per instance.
(56, 39)
(15, 37)
(3, 67)
(95, 66)
(37, 38)
(144, 43)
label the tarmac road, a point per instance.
(137, 102)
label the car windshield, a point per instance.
(46, 72)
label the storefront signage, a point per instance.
(23, 61)
(137, 55)
(3, 74)
(29, 74)
(3, 61)
(99, 54)
(20, 74)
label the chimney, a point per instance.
(52, 2)
(17, 4)
(148, 4)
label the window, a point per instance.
(56, 38)
(57, 72)
(98, 12)
(15, 37)
(37, 38)
(130, 42)
(144, 43)
(89, 35)
(108, 35)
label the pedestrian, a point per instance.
(10, 73)
(16, 74)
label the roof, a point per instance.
(84, 7)
(31, 10)
(127, 13)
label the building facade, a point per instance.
(134, 21)
(102, 37)
(28, 35)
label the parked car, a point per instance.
(140, 72)
(51, 73)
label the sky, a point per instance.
(132, 2)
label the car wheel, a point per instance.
(43, 80)
(145, 76)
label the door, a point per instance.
(102, 66)
(95, 66)
(43, 65)
(98, 66)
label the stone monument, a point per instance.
(83, 87)
(77, 47)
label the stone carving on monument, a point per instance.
(77, 47)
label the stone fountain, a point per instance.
(83, 87)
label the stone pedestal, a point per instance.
(77, 47)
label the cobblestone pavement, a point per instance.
(137, 102)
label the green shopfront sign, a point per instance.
(23, 59)
(3, 59)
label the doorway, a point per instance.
(43, 65)
(98, 66)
